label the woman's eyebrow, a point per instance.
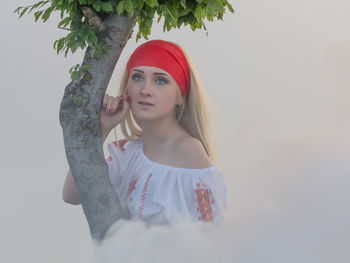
(155, 73)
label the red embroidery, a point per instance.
(121, 144)
(132, 187)
(204, 200)
(143, 197)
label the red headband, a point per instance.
(165, 55)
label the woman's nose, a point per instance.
(146, 89)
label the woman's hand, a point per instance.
(114, 110)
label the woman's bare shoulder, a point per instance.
(192, 151)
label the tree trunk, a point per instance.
(82, 130)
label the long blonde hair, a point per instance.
(193, 116)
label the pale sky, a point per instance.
(277, 74)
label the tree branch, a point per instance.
(65, 29)
(82, 131)
(94, 20)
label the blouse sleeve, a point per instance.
(208, 201)
(114, 162)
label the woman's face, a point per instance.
(155, 86)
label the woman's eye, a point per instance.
(161, 81)
(136, 77)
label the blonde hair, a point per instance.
(192, 115)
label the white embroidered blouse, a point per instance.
(161, 194)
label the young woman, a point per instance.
(164, 169)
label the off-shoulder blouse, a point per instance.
(162, 194)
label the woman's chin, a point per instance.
(139, 117)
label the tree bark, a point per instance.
(82, 130)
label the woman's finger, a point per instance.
(110, 102)
(105, 100)
(115, 104)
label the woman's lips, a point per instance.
(145, 102)
(144, 105)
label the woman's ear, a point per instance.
(178, 97)
(178, 103)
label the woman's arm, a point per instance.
(70, 194)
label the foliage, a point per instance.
(176, 13)
(80, 72)
(76, 100)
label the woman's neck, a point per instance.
(157, 135)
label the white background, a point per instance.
(278, 75)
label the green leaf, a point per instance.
(193, 27)
(44, 3)
(120, 7)
(74, 48)
(47, 13)
(139, 3)
(54, 44)
(130, 14)
(159, 18)
(151, 3)
(92, 52)
(86, 77)
(183, 4)
(74, 76)
(184, 12)
(85, 67)
(138, 36)
(229, 7)
(60, 44)
(92, 39)
(168, 17)
(37, 14)
(22, 13)
(219, 6)
(148, 22)
(107, 7)
(198, 13)
(35, 6)
(205, 28)
(17, 10)
(128, 5)
(66, 52)
(97, 6)
(64, 22)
